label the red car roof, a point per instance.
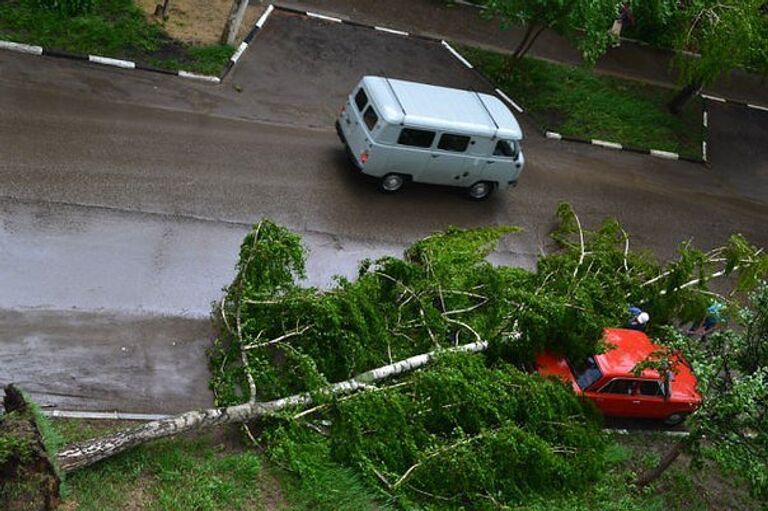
(632, 347)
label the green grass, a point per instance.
(575, 101)
(115, 28)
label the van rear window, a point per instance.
(457, 143)
(416, 138)
(370, 118)
(361, 100)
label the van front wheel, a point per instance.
(480, 190)
(391, 183)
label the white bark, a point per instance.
(86, 453)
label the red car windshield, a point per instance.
(586, 372)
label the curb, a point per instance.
(129, 64)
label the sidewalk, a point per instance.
(465, 25)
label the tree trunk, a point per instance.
(234, 20)
(86, 453)
(683, 97)
(511, 60)
(653, 474)
(531, 41)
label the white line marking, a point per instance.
(553, 135)
(21, 48)
(125, 64)
(391, 31)
(713, 98)
(195, 76)
(603, 143)
(664, 154)
(323, 17)
(264, 16)
(509, 100)
(705, 119)
(239, 51)
(104, 415)
(457, 54)
(704, 150)
(758, 107)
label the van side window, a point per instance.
(416, 138)
(361, 99)
(506, 148)
(457, 143)
(370, 118)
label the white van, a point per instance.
(402, 131)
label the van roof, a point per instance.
(430, 106)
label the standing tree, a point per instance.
(586, 23)
(731, 426)
(724, 35)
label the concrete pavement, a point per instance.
(124, 197)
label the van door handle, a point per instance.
(489, 161)
(435, 155)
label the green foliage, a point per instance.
(473, 429)
(466, 432)
(725, 33)
(577, 102)
(585, 23)
(112, 28)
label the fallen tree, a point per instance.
(325, 350)
(89, 452)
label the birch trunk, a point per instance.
(86, 453)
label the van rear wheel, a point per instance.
(391, 183)
(480, 190)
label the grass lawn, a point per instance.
(115, 28)
(576, 102)
(213, 471)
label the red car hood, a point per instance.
(551, 365)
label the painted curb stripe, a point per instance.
(239, 52)
(67, 414)
(155, 69)
(713, 98)
(324, 17)
(457, 54)
(508, 99)
(64, 54)
(705, 118)
(553, 135)
(665, 154)
(21, 47)
(195, 76)
(704, 150)
(757, 107)
(125, 64)
(390, 31)
(263, 18)
(603, 143)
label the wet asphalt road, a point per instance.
(124, 196)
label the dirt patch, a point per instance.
(200, 21)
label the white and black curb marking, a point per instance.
(392, 31)
(125, 64)
(509, 100)
(324, 17)
(665, 154)
(609, 145)
(21, 48)
(457, 54)
(195, 76)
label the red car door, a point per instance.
(617, 398)
(650, 400)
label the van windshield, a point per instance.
(507, 149)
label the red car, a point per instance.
(607, 380)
